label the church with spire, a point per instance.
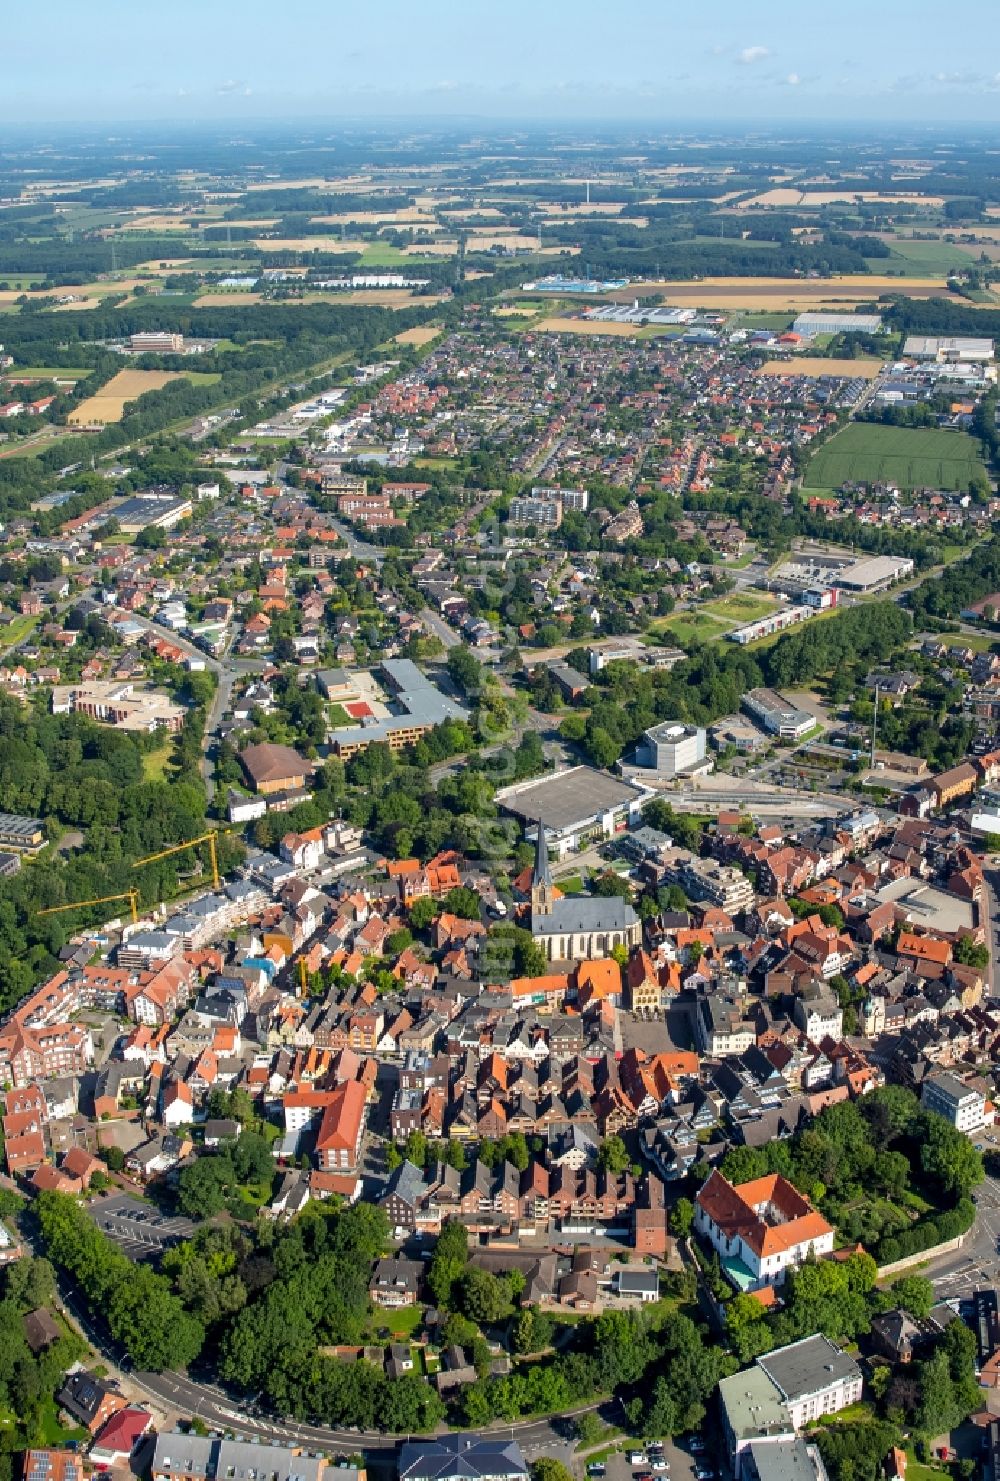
(577, 927)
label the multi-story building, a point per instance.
(28, 1054)
(672, 747)
(960, 1104)
(156, 342)
(760, 1229)
(721, 885)
(528, 509)
(722, 1027)
(119, 703)
(792, 1387)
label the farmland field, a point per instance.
(421, 334)
(109, 403)
(917, 258)
(775, 294)
(912, 457)
(821, 365)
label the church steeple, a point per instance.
(541, 879)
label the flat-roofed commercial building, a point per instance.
(26, 835)
(947, 349)
(822, 321)
(156, 342)
(574, 806)
(151, 512)
(777, 715)
(879, 571)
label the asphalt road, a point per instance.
(977, 1263)
(198, 1398)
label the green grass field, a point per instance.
(742, 320)
(384, 254)
(690, 627)
(51, 372)
(154, 763)
(920, 259)
(912, 457)
(740, 607)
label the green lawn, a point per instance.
(752, 321)
(154, 763)
(51, 372)
(570, 884)
(51, 1432)
(17, 631)
(202, 377)
(689, 627)
(740, 607)
(917, 1471)
(402, 1323)
(912, 457)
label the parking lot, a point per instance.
(679, 1461)
(138, 1229)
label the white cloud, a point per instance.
(793, 79)
(751, 54)
(230, 86)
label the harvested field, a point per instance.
(789, 196)
(421, 334)
(232, 299)
(407, 214)
(780, 293)
(588, 326)
(821, 365)
(109, 404)
(389, 298)
(306, 244)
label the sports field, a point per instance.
(109, 403)
(912, 457)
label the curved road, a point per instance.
(210, 1403)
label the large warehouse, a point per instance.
(577, 806)
(879, 571)
(822, 321)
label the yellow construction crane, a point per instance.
(131, 896)
(178, 848)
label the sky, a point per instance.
(574, 60)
